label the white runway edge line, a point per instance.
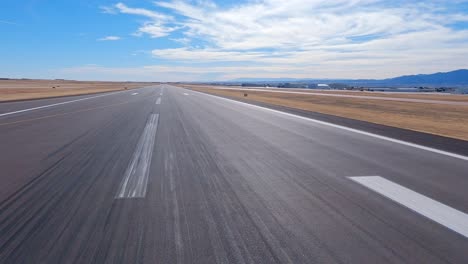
(62, 103)
(432, 209)
(438, 151)
(135, 178)
(158, 101)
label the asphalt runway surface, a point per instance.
(167, 175)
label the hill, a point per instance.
(458, 77)
(454, 78)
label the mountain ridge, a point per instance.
(457, 77)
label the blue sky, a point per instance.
(199, 40)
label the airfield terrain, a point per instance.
(15, 89)
(439, 114)
(166, 174)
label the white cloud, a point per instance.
(184, 41)
(170, 73)
(7, 22)
(296, 24)
(310, 38)
(122, 8)
(204, 55)
(109, 38)
(108, 10)
(156, 27)
(154, 30)
(359, 67)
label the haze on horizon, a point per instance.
(176, 40)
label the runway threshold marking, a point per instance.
(357, 131)
(432, 209)
(56, 104)
(158, 101)
(135, 179)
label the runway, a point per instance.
(169, 175)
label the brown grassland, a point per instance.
(424, 96)
(439, 119)
(13, 90)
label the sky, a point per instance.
(204, 40)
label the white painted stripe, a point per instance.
(438, 151)
(185, 93)
(158, 101)
(134, 93)
(432, 209)
(135, 179)
(56, 104)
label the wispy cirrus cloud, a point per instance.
(343, 38)
(124, 9)
(110, 38)
(109, 10)
(8, 22)
(156, 26)
(175, 73)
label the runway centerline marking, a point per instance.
(134, 93)
(186, 94)
(56, 104)
(357, 131)
(158, 101)
(432, 209)
(135, 180)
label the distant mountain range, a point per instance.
(458, 78)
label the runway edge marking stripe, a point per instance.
(423, 205)
(61, 103)
(438, 151)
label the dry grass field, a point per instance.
(439, 119)
(424, 96)
(12, 90)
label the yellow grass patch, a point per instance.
(11, 90)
